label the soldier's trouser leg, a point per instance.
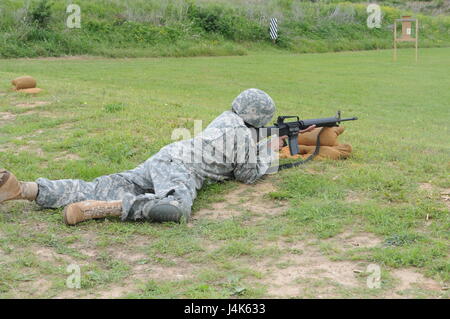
(173, 184)
(59, 193)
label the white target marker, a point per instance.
(273, 29)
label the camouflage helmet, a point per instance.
(254, 106)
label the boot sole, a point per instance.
(5, 177)
(66, 221)
(3, 182)
(167, 213)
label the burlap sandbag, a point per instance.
(24, 82)
(30, 91)
(327, 138)
(340, 151)
(329, 145)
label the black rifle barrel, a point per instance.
(324, 122)
(286, 127)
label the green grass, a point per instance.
(149, 28)
(109, 115)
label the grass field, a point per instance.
(161, 28)
(307, 232)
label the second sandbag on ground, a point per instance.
(25, 84)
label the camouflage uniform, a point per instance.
(226, 149)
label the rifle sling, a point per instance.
(310, 158)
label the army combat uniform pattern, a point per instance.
(226, 149)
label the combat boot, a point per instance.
(12, 189)
(91, 209)
(168, 212)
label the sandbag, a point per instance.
(30, 91)
(327, 138)
(341, 151)
(329, 145)
(24, 82)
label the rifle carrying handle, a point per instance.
(293, 144)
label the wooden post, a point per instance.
(395, 41)
(417, 39)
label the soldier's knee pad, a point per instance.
(166, 212)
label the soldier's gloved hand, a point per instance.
(281, 143)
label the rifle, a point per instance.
(292, 129)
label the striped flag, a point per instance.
(273, 28)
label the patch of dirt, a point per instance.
(7, 116)
(409, 279)
(112, 292)
(181, 271)
(140, 274)
(443, 192)
(65, 126)
(37, 288)
(445, 196)
(86, 243)
(44, 253)
(303, 271)
(50, 255)
(349, 240)
(26, 137)
(354, 197)
(33, 112)
(68, 156)
(294, 274)
(35, 133)
(244, 198)
(30, 285)
(40, 113)
(32, 104)
(145, 268)
(30, 149)
(39, 285)
(426, 187)
(142, 270)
